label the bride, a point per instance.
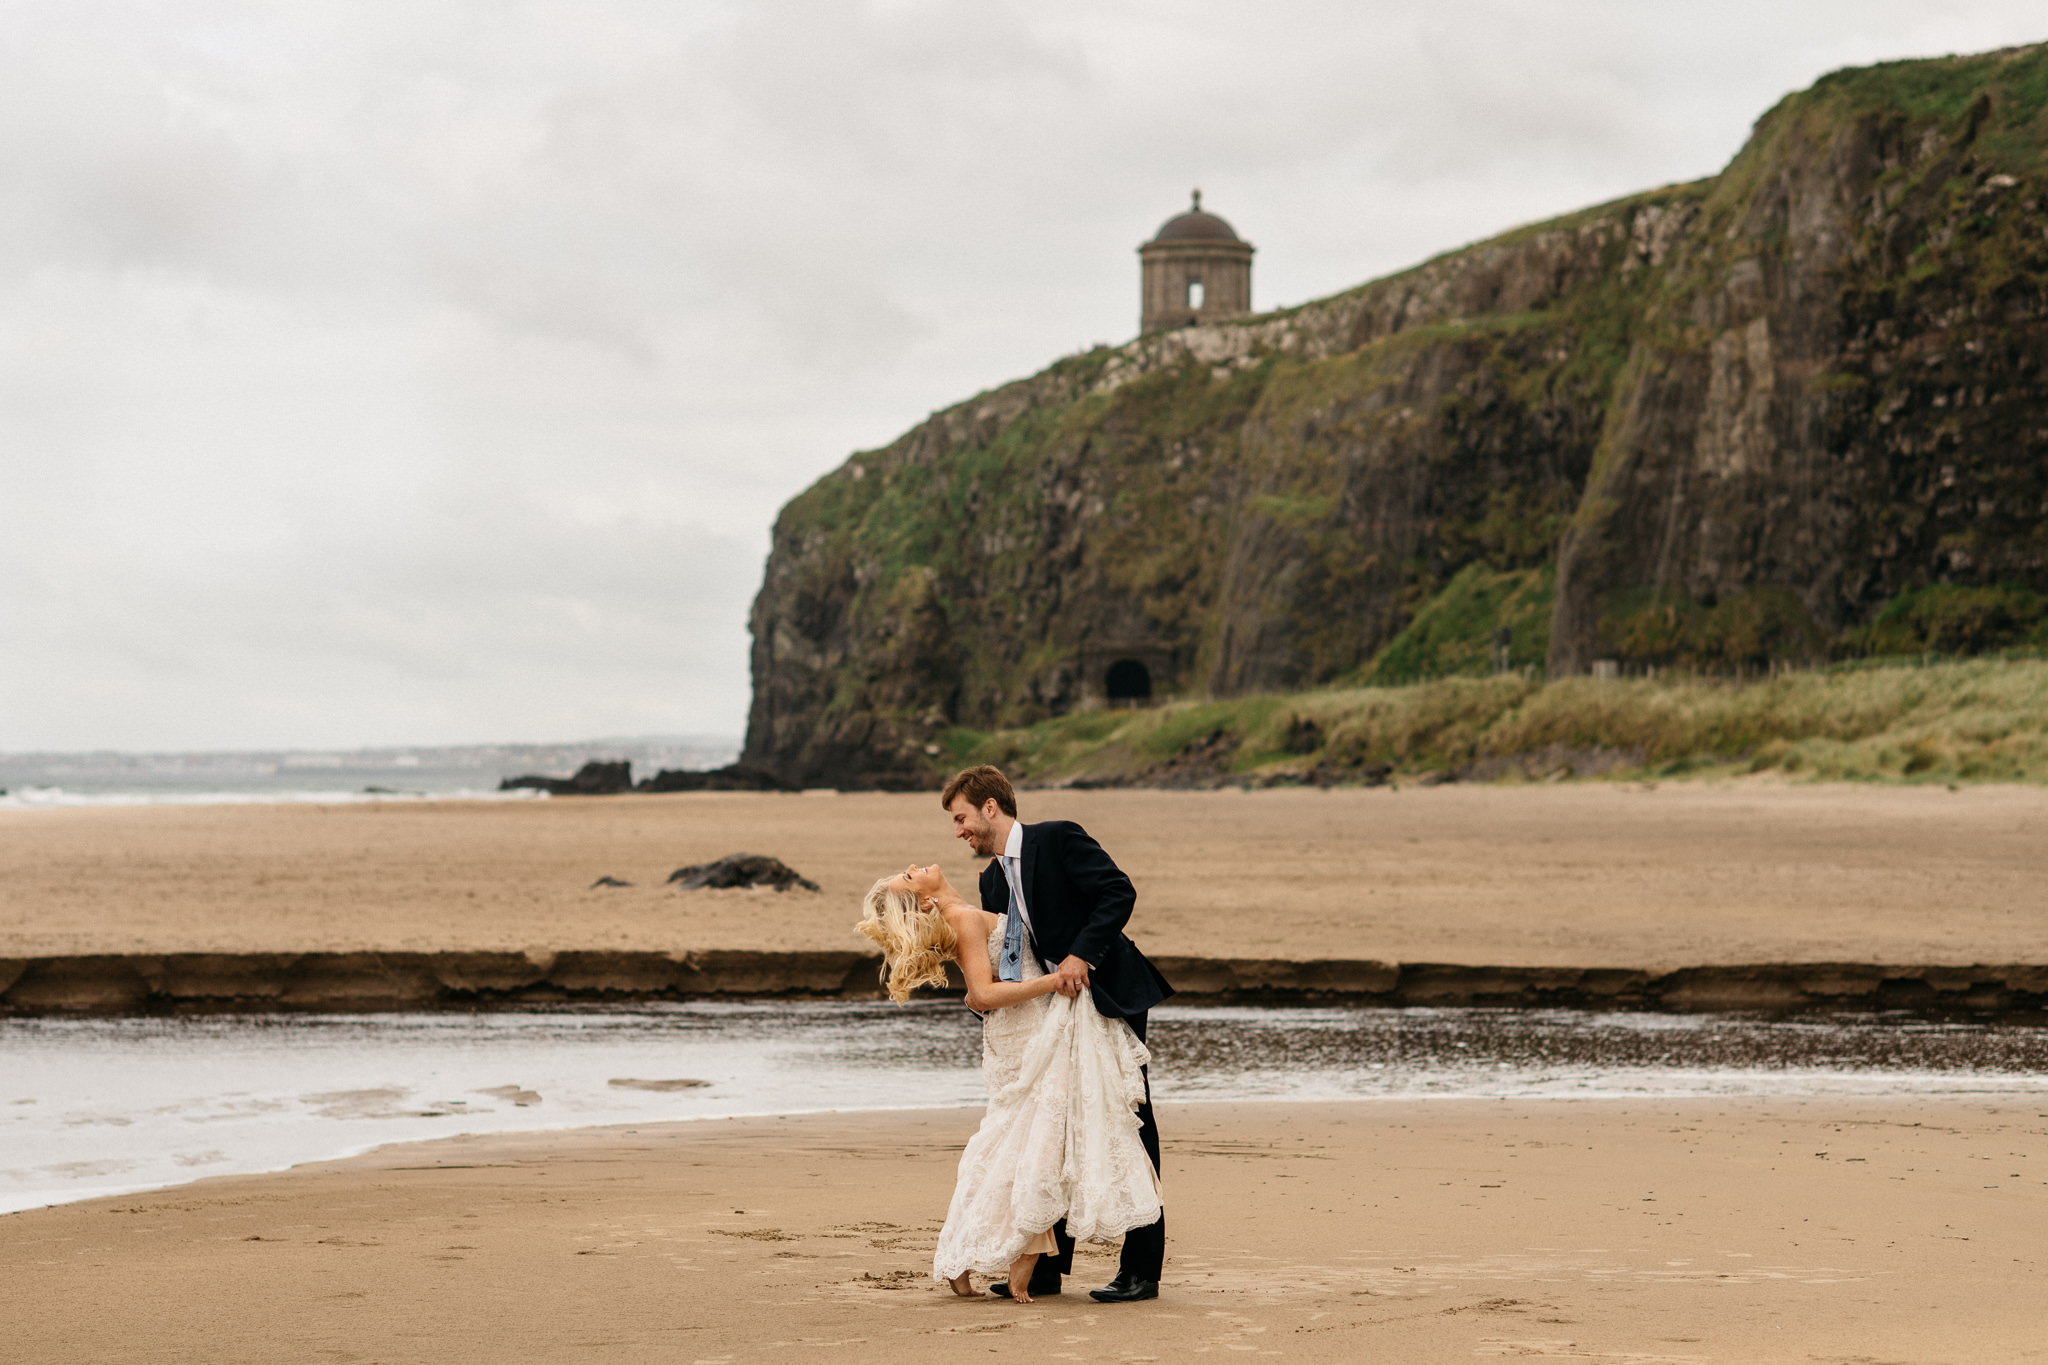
(1060, 1138)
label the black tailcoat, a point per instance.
(1079, 901)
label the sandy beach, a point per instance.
(1698, 1231)
(1626, 875)
(1675, 1231)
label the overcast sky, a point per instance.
(378, 373)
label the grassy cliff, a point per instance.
(1793, 414)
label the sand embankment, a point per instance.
(1692, 1231)
(1675, 894)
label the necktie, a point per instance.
(1011, 968)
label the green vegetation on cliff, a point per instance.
(1792, 414)
(1454, 632)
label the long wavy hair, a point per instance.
(915, 939)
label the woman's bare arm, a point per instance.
(984, 993)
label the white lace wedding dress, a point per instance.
(1060, 1138)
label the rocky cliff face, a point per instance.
(1718, 424)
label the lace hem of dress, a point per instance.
(1059, 1140)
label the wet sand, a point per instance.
(1776, 1230)
(1583, 875)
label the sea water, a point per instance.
(92, 1107)
(455, 773)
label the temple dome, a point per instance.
(1196, 226)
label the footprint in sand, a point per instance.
(629, 1083)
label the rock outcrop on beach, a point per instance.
(1795, 410)
(740, 870)
(598, 777)
(602, 777)
(734, 777)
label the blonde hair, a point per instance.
(916, 941)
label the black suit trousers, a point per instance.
(1144, 1253)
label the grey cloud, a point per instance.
(433, 373)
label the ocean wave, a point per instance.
(53, 798)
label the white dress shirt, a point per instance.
(1013, 872)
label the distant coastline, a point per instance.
(52, 779)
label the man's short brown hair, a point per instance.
(981, 785)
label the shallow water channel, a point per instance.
(105, 1106)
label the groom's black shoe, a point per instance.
(1125, 1288)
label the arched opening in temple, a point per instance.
(1195, 296)
(1128, 683)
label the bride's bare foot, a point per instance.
(964, 1285)
(1020, 1277)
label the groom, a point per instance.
(1072, 903)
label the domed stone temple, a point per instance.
(1196, 270)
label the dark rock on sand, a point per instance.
(598, 777)
(607, 881)
(740, 870)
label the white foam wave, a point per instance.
(54, 798)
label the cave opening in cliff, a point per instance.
(1129, 683)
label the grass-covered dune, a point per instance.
(1977, 720)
